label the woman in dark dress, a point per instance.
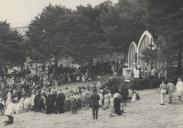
(51, 103)
(60, 102)
(67, 104)
(79, 102)
(124, 94)
(117, 106)
(36, 101)
(42, 103)
(74, 105)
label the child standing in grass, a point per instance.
(163, 88)
(171, 89)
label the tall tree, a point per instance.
(87, 32)
(122, 23)
(10, 45)
(166, 18)
(62, 32)
(46, 35)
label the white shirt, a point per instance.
(10, 109)
(179, 86)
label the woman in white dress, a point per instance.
(112, 106)
(101, 98)
(179, 87)
(9, 111)
(107, 100)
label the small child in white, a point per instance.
(163, 88)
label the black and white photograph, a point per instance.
(91, 63)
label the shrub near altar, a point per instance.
(141, 84)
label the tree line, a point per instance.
(89, 32)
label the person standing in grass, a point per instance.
(163, 88)
(51, 101)
(117, 103)
(124, 94)
(95, 103)
(171, 89)
(60, 102)
(107, 97)
(101, 98)
(9, 111)
(74, 105)
(179, 87)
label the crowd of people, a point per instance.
(37, 75)
(61, 100)
(22, 93)
(38, 88)
(174, 91)
(47, 74)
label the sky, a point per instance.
(19, 13)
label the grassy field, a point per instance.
(146, 113)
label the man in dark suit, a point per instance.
(124, 94)
(95, 103)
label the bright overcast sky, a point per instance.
(20, 12)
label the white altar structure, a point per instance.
(135, 54)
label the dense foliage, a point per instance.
(165, 20)
(87, 32)
(90, 32)
(10, 45)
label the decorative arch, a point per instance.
(132, 55)
(146, 40)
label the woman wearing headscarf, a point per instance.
(107, 97)
(42, 102)
(117, 101)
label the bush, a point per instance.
(115, 84)
(141, 84)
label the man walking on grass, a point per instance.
(94, 100)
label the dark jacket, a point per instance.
(124, 92)
(41, 104)
(36, 101)
(94, 100)
(51, 103)
(60, 102)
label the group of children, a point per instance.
(175, 92)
